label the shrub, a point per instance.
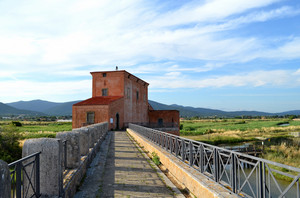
(10, 149)
(181, 126)
(155, 159)
(16, 123)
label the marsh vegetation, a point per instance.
(280, 145)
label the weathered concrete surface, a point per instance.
(90, 186)
(73, 177)
(4, 180)
(50, 163)
(198, 184)
(83, 140)
(73, 147)
(126, 173)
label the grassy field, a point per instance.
(236, 130)
(32, 129)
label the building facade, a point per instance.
(119, 98)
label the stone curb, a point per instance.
(165, 179)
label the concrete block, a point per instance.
(73, 147)
(5, 183)
(92, 132)
(83, 140)
(50, 164)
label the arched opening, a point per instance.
(117, 121)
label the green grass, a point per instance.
(35, 129)
(52, 126)
(208, 126)
(236, 130)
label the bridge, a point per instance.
(94, 162)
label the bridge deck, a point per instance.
(126, 172)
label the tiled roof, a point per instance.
(100, 100)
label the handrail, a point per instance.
(24, 158)
(241, 173)
(25, 178)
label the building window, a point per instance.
(90, 117)
(144, 97)
(105, 92)
(137, 95)
(104, 74)
(160, 122)
(128, 93)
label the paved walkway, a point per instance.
(126, 173)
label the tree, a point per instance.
(10, 149)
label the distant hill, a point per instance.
(61, 109)
(6, 110)
(33, 105)
(295, 112)
(186, 111)
(37, 107)
(45, 107)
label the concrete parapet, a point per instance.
(93, 139)
(50, 166)
(197, 183)
(77, 175)
(4, 180)
(73, 147)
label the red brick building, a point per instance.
(120, 98)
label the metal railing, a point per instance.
(25, 176)
(243, 174)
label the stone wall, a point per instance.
(56, 179)
(90, 139)
(4, 180)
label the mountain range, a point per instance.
(41, 107)
(37, 107)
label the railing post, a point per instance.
(201, 158)
(233, 173)
(262, 180)
(183, 150)
(37, 175)
(18, 179)
(191, 153)
(166, 141)
(216, 164)
(171, 144)
(176, 147)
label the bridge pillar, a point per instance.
(50, 167)
(4, 180)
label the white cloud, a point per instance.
(42, 90)
(297, 72)
(72, 38)
(252, 79)
(215, 10)
(107, 32)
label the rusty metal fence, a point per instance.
(245, 175)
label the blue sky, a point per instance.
(220, 54)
